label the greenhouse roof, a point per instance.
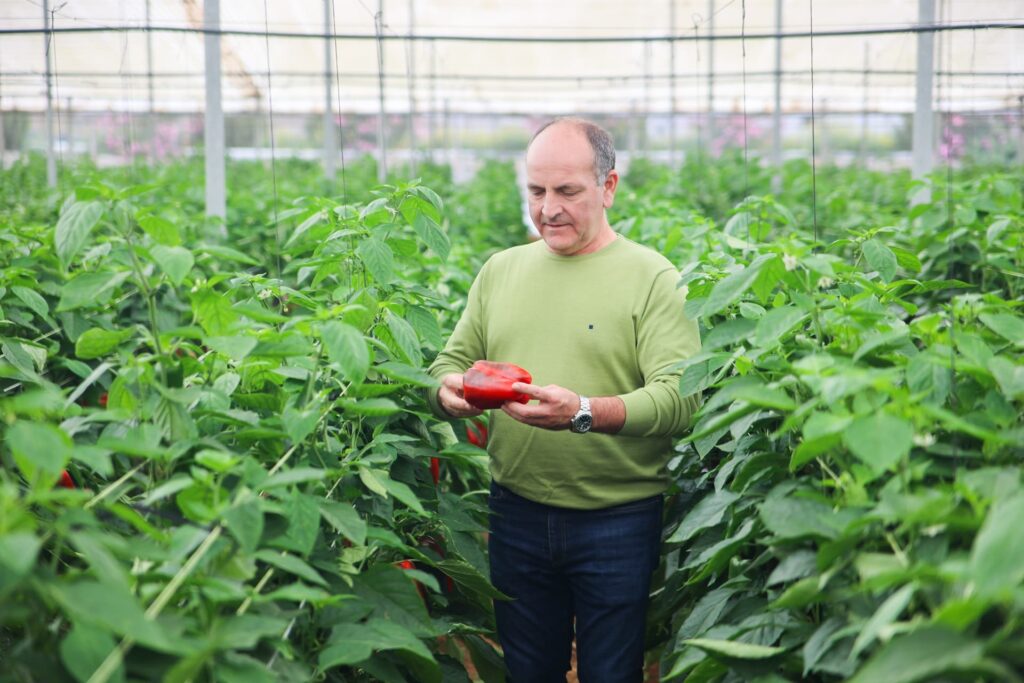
(527, 57)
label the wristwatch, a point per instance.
(583, 420)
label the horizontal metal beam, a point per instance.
(666, 38)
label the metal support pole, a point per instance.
(410, 57)
(777, 110)
(647, 94)
(213, 121)
(329, 137)
(149, 58)
(149, 81)
(862, 149)
(711, 73)
(924, 118)
(672, 84)
(382, 140)
(51, 161)
(432, 119)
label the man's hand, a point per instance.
(555, 410)
(451, 399)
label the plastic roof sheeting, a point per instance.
(979, 70)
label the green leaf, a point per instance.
(790, 518)
(111, 607)
(216, 460)
(245, 522)
(175, 261)
(997, 558)
(40, 450)
(96, 342)
(880, 258)
(84, 649)
(296, 475)
(18, 551)
(213, 311)
(425, 323)
(235, 348)
(370, 407)
(887, 612)
(73, 229)
(1009, 327)
(469, 577)
(1009, 376)
(709, 512)
(406, 374)
(922, 655)
(405, 338)
(732, 287)
(879, 440)
(432, 235)
(227, 254)
(735, 650)
(403, 493)
(89, 289)
(303, 513)
(344, 518)
(378, 259)
(346, 346)
(32, 299)
(394, 598)
(354, 643)
(292, 565)
(776, 323)
(162, 231)
(300, 423)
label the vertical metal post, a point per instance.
(149, 58)
(711, 72)
(432, 119)
(382, 141)
(329, 137)
(672, 83)
(410, 56)
(924, 118)
(149, 81)
(777, 110)
(647, 93)
(862, 148)
(213, 122)
(447, 131)
(51, 161)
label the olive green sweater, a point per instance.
(609, 323)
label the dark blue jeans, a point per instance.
(557, 564)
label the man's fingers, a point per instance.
(531, 390)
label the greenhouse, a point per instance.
(427, 340)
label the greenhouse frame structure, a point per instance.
(688, 92)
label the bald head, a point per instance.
(598, 138)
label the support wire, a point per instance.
(337, 92)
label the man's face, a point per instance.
(567, 204)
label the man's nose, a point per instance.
(551, 206)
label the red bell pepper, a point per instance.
(488, 384)
(65, 480)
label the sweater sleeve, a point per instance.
(664, 337)
(466, 344)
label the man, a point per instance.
(578, 473)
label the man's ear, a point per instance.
(611, 182)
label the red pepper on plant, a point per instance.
(435, 469)
(476, 433)
(65, 480)
(408, 564)
(488, 384)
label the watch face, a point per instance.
(583, 423)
